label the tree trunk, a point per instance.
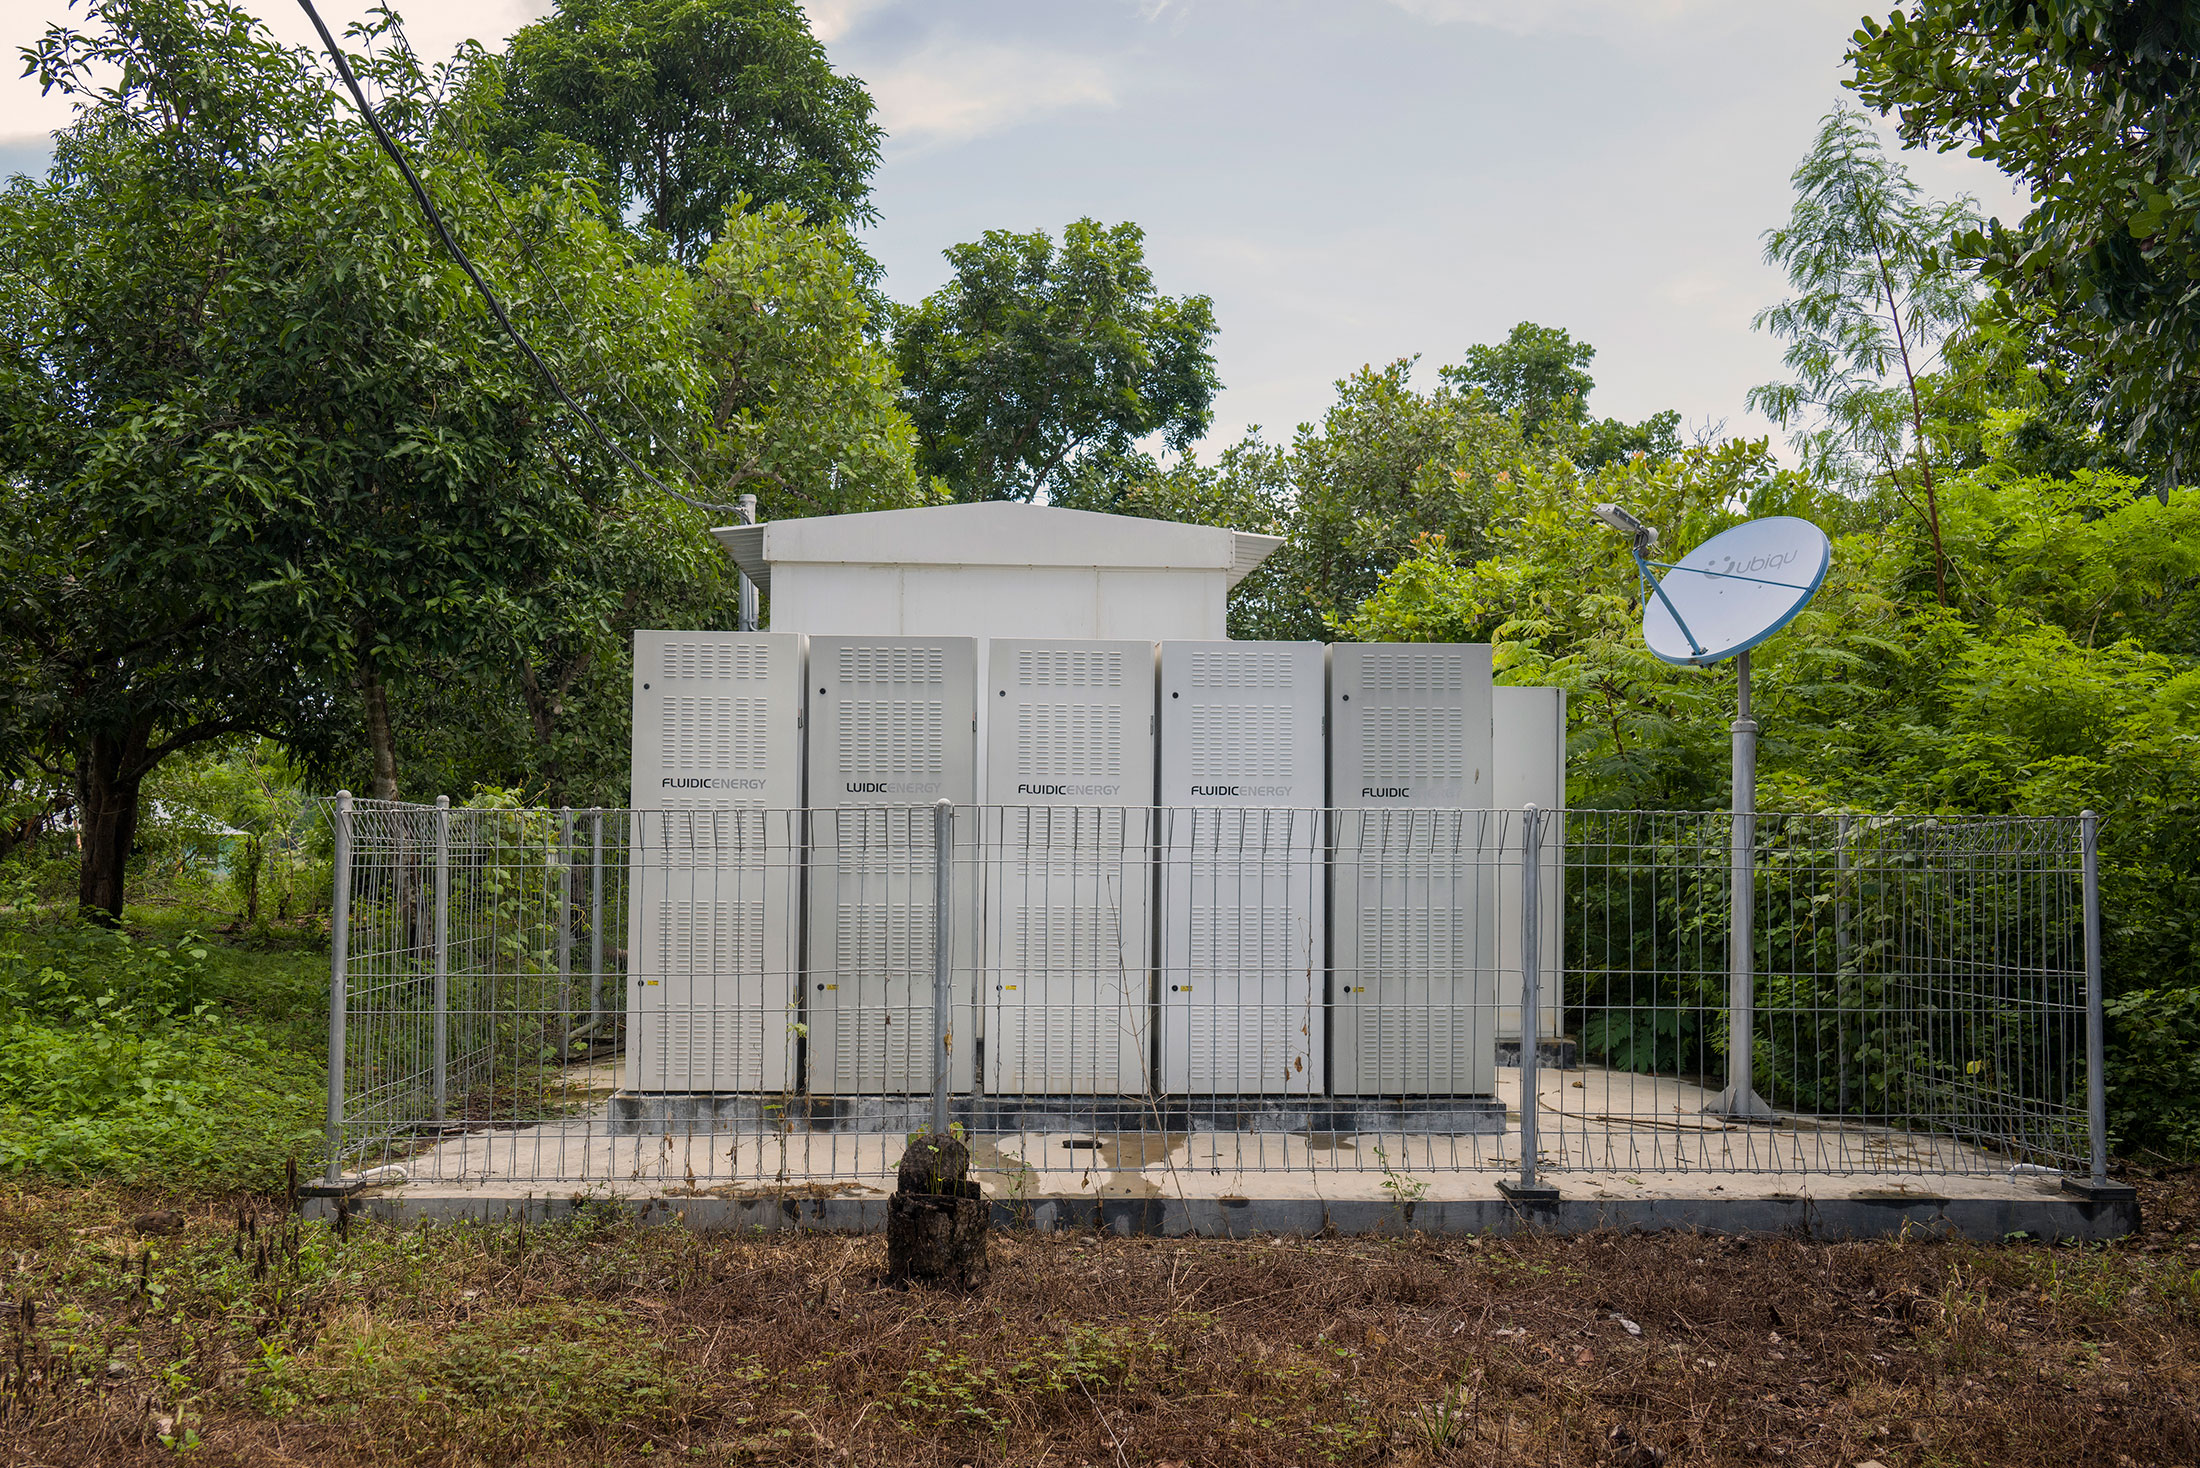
(936, 1217)
(543, 709)
(375, 702)
(109, 770)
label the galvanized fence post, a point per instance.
(442, 954)
(595, 932)
(2096, 1038)
(1530, 1186)
(943, 957)
(339, 941)
(565, 922)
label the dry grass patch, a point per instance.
(265, 1341)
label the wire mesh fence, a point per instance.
(1161, 999)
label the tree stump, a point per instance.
(936, 1220)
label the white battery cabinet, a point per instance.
(714, 862)
(1069, 788)
(892, 730)
(1242, 873)
(1413, 871)
(1529, 762)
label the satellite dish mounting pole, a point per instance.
(1740, 1099)
(1717, 602)
(745, 617)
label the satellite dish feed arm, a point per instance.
(1658, 587)
(1723, 575)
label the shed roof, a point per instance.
(999, 534)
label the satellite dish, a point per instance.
(1735, 590)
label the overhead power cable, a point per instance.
(489, 298)
(517, 238)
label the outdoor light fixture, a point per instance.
(1643, 536)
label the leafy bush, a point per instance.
(2154, 1071)
(121, 1058)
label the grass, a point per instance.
(262, 1339)
(158, 1052)
(168, 1069)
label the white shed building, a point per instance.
(996, 570)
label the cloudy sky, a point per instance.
(1351, 180)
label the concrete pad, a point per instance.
(1625, 1151)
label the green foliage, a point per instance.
(268, 454)
(147, 1061)
(953, 1388)
(1878, 289)
(2154, 1071)
(274, 471)
(684, 112)
(233, 831)
(2094, 107)
(802, 402)
(1388, 470)
(1540, 375)
(1031, 359)
(1386, 466)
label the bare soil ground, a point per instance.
(242, 1336)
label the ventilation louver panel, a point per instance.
(715, 846)
(1414, 870)
(1241, 976)
(1069, 792)
(891, 732)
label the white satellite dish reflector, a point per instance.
(1735, 590)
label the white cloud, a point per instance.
(1577, 17)
(831, 20)
(951, 92)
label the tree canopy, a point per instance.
(1031, 359)
(684, 111)
(1878, 292)
(2094, 106)
(272, 468)
(1540, 376)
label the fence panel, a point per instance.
(1139, 997)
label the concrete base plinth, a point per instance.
(648, 1113)
(1860, 1213)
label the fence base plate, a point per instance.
(2094, 1192)
(1528, 1192)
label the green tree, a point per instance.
(795, 404)
(1540, 374)
(2094, 105)
(116, 594)
(803, 404)
(1352, 496)
(271, 457)
(1030, 359)
(684, 111)
(1879, 290)
(1387, 466)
